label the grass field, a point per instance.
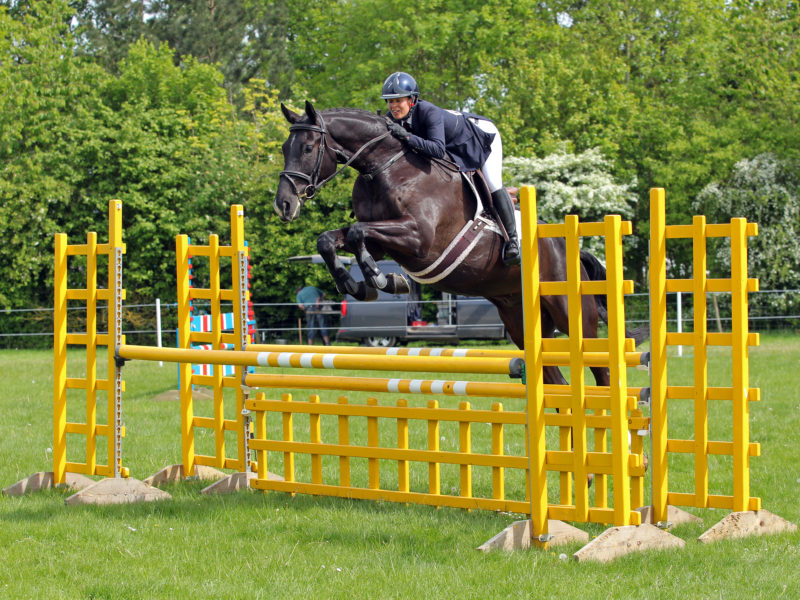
(255, 545)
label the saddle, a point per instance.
(480, 188)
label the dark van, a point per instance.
(392, 319)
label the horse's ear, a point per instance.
(312, 114)
(290, 115)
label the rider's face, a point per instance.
(400, 107)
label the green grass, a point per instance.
(254, 545)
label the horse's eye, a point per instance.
(308, 148)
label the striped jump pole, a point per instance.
(470, 352)
(388, 385)
(315, 360)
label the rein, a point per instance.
(313, 184)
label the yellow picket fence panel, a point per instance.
(220, 290)
(93, 382)
(699, 393)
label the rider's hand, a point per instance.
(398, 131)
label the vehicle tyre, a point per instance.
(380, 341)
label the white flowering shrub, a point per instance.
(573, 184)
(765, 190)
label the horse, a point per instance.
(412, 208)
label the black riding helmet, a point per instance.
(400, 85)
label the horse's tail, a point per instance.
(596, 271)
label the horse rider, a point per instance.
(472, 141)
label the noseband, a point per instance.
(313, 184)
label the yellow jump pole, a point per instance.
(60, 360)
(618, 371)
(700, 345)
(741, 363)
(386, 385)
(537, 480)
(239, 260)
(574, 438)
(185, 368)
(388, 351)
(658, 352)
(313, 360)
(114, 338)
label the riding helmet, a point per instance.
(400, 85)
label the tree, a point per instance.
(764, 190)
(245, 39)
(48, 122)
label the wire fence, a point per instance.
(33, 327)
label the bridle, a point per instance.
(313, 184)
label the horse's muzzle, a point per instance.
(287, 210)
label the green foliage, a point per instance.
(244, 39)
(173, 108)
(47, 128)
(766, 191)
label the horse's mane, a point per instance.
(358, 114)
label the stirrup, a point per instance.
(511, 252)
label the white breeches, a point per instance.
(493, 167)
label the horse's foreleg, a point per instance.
(398, 234)
(327, 244)
(372, 274)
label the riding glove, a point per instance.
(398, 131)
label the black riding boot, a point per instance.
(505, 210)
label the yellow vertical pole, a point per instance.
(465, 447)
(741, 366)
(403, 477)
(658, 351)
(534, 406)
(372, 442)
(214, 286)
(434, 470)
(637, 483)
(115, 385)
(261, 434)
(498, 477)
(344, 440)
(618, 371)
(699, 288)
(577, 375)
(601, 479)
(316, 438)
(184, 341)
(241, 295)
(91, 354)
(288, 436)
(60, 360)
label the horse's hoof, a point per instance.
(397, 284)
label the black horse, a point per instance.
(412, 209)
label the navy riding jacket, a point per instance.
(435, 130)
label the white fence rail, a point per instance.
(770, 309)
